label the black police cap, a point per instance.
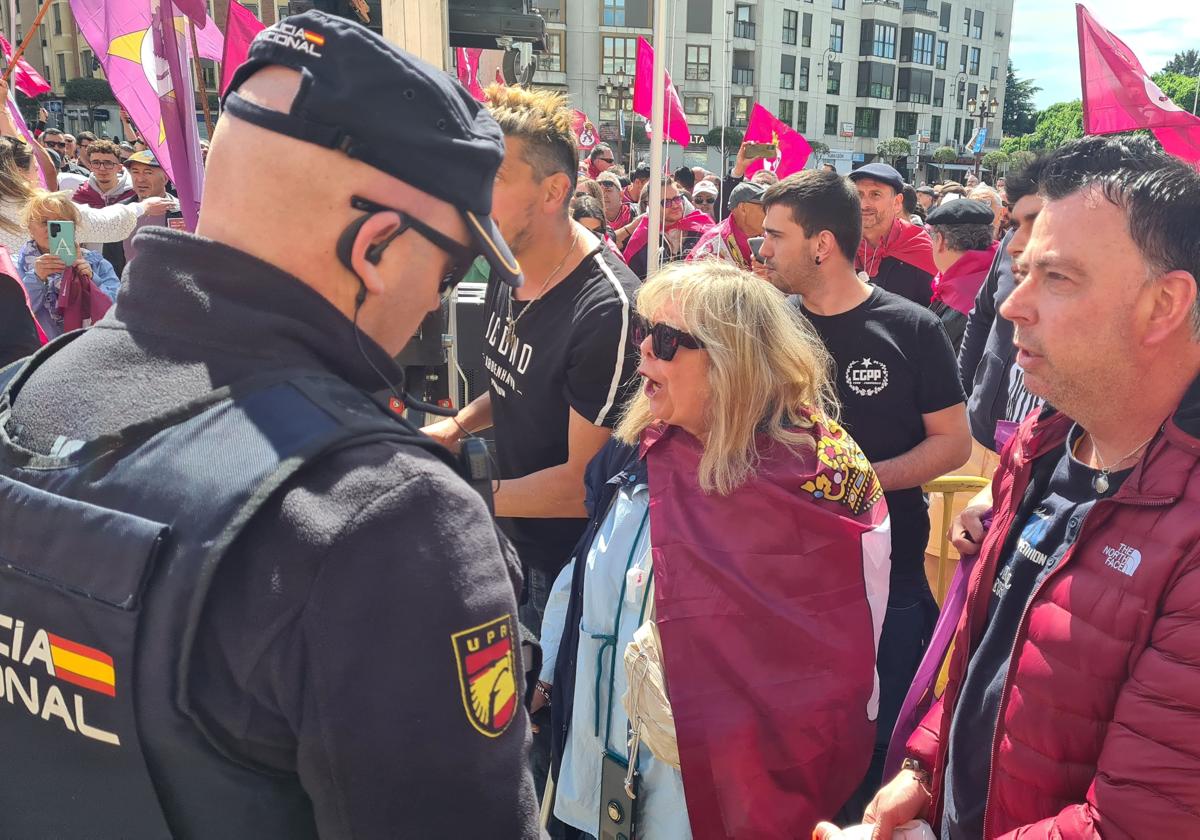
(964, 211)
(378, 104)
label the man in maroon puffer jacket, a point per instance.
(1072, 704)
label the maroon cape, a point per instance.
(906, 242)
(693, 222)
(769, 602)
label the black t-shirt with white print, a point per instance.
(894, 363)
(571, 350)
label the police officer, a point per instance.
(238, 598)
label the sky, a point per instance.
(1045, 47)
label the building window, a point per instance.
(742, 75)
(878, 39)
(697, 67)
(995, 73)
(906, 124)
(972, 91)
(551, 10)
(831, 119)
(61, 61)
(962, 94)
(58, 28)
(791, 24)
(977, 25)
(968, 131)
(866, 122)
(611, 104)
(914, 85)
(613, 13)
(838, 4)
(962, 59)
(935, 129)
(786, 111)
(253, 9)
(944, 18)
(836, 33)
(620, 54)
(876, 80)
(208, 69)
(739, 110)
(551, 60)
(787, 72)
(957, 129)
(802, 117)
(966, 27)
(743, 25)
(804, 66)
(939, 93)
(696, 107)
(806, 33)
(86, 63)
(942, 48)
(922, 47)
(834, 87)
(973, 65)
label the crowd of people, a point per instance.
(692, 601)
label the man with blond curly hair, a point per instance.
(557, 349)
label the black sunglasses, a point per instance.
(54, 145)
(463, 256)
(607, 160)
(664, 339)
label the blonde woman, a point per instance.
(735, 513)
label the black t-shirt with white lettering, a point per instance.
(894, 364)
(1050, 518)
(571, 351)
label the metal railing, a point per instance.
(744, 29)
(743, 76)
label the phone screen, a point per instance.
(756, 244)
(62, 240)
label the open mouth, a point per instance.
(650, 386)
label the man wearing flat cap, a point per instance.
(894, 253)
(963, 249)
(254, 601)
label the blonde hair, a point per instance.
(15, 158)
(45, 206)
(541, 119)
(769, 372)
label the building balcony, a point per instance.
(744, 29)
(743, 76)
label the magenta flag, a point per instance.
(26, 79)
(240, 29)
(467, 61)
(794, 151)
(145, 66)
(643, 96)
(1119, 95)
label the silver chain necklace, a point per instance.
(1100, 482)
(510, 321)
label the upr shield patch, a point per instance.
(487, 674)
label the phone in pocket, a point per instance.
(62, 240)
(616, 805)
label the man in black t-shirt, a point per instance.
(901, 399)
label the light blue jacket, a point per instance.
(43, 297)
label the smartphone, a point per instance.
(62, 241)
(760, 150)
(755, 244)
(616, 805)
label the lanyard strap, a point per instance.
(608, 641)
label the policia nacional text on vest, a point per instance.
(106, 555)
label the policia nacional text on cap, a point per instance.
(239, 598)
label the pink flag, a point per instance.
(240, 30)
(1119, 95)
(794, 151)
(643, 95)
(468, 71)
(585, 130)
(25, 78)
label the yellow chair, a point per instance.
(948, 486)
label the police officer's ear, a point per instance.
(362, 246)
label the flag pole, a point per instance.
(200, 86)
(657, 141)
(37, 21)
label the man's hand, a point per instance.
(739, 165)
(43, 115)
(446, 432)
(47, 264)
(968, 530)
(901, 800)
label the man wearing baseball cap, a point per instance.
(278, 610)
(730, 240)
(149, 181)
(896, 254)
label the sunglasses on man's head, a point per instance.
(664, 339)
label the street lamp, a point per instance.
(618, 87)
(985, 108)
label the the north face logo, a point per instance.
(1124, 559)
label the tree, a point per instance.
(819, 149)
(1020, 113)
(1019, 160)
(946, 154)
(89, 92)
(1061, 122)
(1186, 63)
(996, 161)
(1181, 89)
(733, 137)
(893, 148)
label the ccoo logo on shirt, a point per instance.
(866, 377)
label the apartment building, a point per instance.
(845, 72)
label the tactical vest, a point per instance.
(106, 555)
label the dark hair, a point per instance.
(1159, 194)
(911, 206)
(50, 131)
(685, 177)
(641, 173)
(84, 135)
(599, 149)
(965, 237)
(586, 207)
(1024, 182)
(820, 201)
